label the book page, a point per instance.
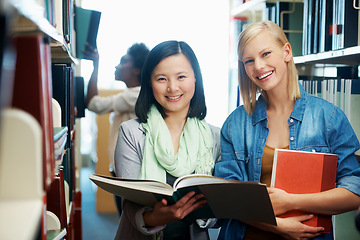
(197, 179)
(111, 183)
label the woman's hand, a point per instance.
(280, 200)
(163, 213)
(91, 53)
(292, 228)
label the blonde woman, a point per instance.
(283, 116)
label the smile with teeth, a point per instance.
(174, 98)
(265, 75)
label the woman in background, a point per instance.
(121, 105)
(284, 116)
(169, 139)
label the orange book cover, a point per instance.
(305, 172)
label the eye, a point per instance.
(248, 61)
(181, 77)
(266, 54)
(161, 79)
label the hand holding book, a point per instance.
(164, 213)
(299, 172)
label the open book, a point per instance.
(226, 198)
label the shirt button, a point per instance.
(291, 138)
(291, 120)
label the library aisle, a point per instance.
(95, 226)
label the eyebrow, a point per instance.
(260, 52)
(163, 74)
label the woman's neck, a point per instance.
(175, 125)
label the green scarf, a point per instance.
(195, 152)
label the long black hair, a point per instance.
(146, 96)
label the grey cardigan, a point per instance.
(128, 158)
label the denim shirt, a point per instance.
(314, 125)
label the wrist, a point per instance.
(147, 215)
(292, 202)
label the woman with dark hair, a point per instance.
(169, 139)
(121, 106)
(146, 97)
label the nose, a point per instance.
(172, 86)
(259, 64)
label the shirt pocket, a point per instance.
(242, 157)
(315, 148)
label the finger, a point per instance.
(188, 209)
(91, 47)
(310, 235)
(164, 201)
(270, 190)
(312, 230)
(194, 200)
(185, 199)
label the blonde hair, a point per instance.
(248, 88)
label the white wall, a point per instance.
(203, 24)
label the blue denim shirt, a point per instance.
(314, 125)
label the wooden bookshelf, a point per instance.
(30, 20)
(37, 46)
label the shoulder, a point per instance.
(316, 104)
(128, 93)
(214, 130)
(238, 116)
(132, 127)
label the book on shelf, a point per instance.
(86, 26)
(345, 20)
(344, 93)
(56, 234)
(329, 25)
(79, 99)
(300, 172)
(289, 16)
(56, 199)
(60, 137)
(32, 91)
(59, 132)
(327, 9)
(61, 81)
(225, 198)
(68, 21)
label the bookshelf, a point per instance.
(39, 171)
(347, 56)
(251, 9)
(334, 59)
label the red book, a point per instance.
(33, 92)
(305, 172)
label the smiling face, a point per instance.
(173, 84)
(265, 61)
